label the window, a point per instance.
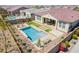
(24, 13)
(60, 24)
(27, 15)
(38, 18)
(63, 25)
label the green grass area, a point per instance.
(48, 29)
(33, 23)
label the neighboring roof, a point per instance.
(35, 10)
(3, 11)
(13, 7)
(63, 14)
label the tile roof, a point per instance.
(35, 10)
(14, 7)
(63, 14)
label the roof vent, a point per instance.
(72, 16)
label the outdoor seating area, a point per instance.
(42, 42)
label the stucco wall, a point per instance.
(26, 14)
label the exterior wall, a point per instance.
(63, 26)
(26, 14)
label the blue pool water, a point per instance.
(32, 33)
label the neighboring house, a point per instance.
(11, 19)
(14, 13)
(3, 12)
(30, 13)
(14, 10)
(63, 19)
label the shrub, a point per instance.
(67, 43)
(74, 36)
(77, 32)
(48, 30)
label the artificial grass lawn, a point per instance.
(33, 23)
(48, 30)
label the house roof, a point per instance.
(63, 14)
(14, 7)
(35, 10)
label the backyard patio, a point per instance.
(54, 37)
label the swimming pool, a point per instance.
(32, 33)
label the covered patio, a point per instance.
(49, 21)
